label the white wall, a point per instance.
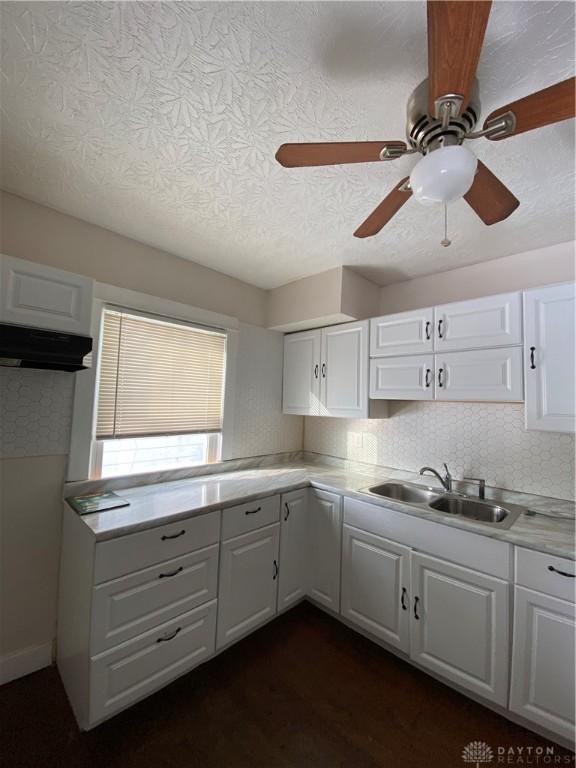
(543, 266)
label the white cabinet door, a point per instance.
(44, 297)
(550, 357)
(405, 333)
(344, 370)
(459, 626)
(402, 378)
(483, 374)
(293, 548)
(301, 384)
(543, 661)
(492, 321)
(376, 586)
(324, 532)
(248, 583)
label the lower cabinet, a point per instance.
(459, 626)
(136, 668)
(248, 582)
(543, 670)
(324, 539)
(376, 586)
(293, 581)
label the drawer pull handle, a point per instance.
(440, 379)
(323, 370)
(253, 511)
(562, 573)
(275, 574)
(427, 381)
(440, 336)
(532, 363)
(174, 535)
(403, 599)
(416, 601)
(427, 330)
(172, 573)
(316, 368)
(166, 638)
(287, 508)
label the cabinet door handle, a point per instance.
(316, 371)
(440, 336)
(427, 330)
(403, 599)
(174, 535)
(172, 573)
(323, 370)
(287, 508)
(166, 638)
(253, 511)
(532, 363)
(428, 372)
(275, 572)
(416, 601)
(562, 573)
(440, 378)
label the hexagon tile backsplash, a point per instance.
(475, 439)
(35, 412)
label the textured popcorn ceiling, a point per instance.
(160, 121)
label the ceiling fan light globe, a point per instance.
(444, 175)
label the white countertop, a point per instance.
(552, 531)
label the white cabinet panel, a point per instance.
(404, 333)
(543, 669)
(459, 627)
(243, 518)
(344, 370)
(492, 321)
(402, 378)
(135, 669)
(301, 383)
(293, 580)
(483, 374)
(35, 295)
(376, 586)
(550, 357)
(248, 583)
(324, 531)
(126, 607)
(556, 576)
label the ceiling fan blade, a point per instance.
(489, 198)
(333, 153)
(381, 215)
(455, 37)
(550, 105)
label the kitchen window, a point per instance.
(160, 395)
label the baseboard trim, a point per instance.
(25, 662)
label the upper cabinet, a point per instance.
(550, 358)
(326, 371)
(43, 297)
(493, 321)
(406, 333)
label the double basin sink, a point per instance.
(449, 503)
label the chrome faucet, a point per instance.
(446, 480)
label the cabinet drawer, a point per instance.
(402, 378)
(130, 605)
(132, 553)
(137, 668)
(250, 516)
(546, 573)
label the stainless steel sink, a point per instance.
(411, 494)
(480, 511)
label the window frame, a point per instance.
(83, 444)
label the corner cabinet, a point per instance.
(550, 357)
(326, 371)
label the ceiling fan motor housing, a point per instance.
(424, 132)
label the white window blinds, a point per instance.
(158, 378)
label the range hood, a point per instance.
(24, 347)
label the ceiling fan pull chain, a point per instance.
(445, 242)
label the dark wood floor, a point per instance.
(303, 692)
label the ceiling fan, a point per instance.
(442, 113)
